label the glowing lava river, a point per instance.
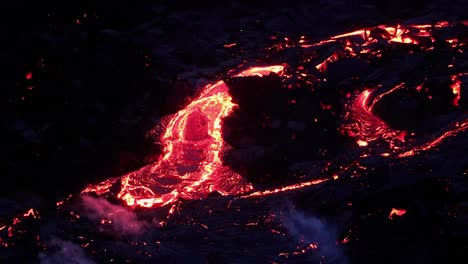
(391, 117)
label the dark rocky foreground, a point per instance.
(86, 84)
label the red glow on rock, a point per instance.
(402, 136)
(10, 231)
(419, 87)
(345, 240)
(325, 106)
(28, 75)
(396, 213)
(31, 213)
(230, 45)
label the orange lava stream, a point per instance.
(286, 188)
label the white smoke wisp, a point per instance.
(313, 230)
(62, 251)
(113, 218)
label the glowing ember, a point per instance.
(396, 212)
(362, 143)
(456, 89)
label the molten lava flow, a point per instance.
(363, 125)
(193, 142)
(191, 166)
